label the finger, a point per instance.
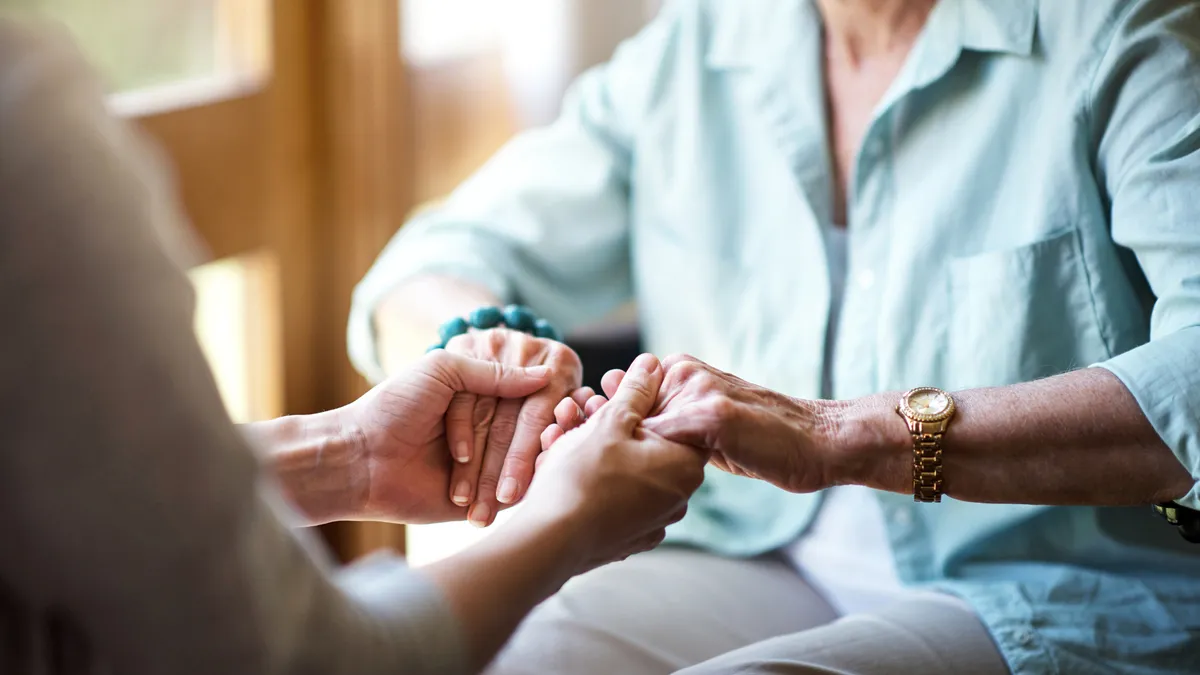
(460, 432)
(499, 440)
(675, 359)
(678, 514)
(464, 478)
(680, 427)
(639, 388)
(549, 437)
(594, 405)
(650, 541)
(582, 394)
(568, 414)
(612, 381)
(535, 415)
(489, 378)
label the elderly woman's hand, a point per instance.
(750, 431)
(495, 442)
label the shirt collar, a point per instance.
(1005, 26)
(753, 33)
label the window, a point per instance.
(138, 44)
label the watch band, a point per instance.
(928, 412)
(927, 468)
(1187, 520)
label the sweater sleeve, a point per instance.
(142, 514)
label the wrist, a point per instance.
(873, 444)
(568, 532)
(320, 461)
(561, 543)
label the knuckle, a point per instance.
(461, 405)
(496, 339)
(706, 380)
(483, 412)
(690, 368)
(536, 414)
(529, 349)
(626, 417)
(563, 357)
(461, 344)
(519, 464)
(440, 359)
(501, 431)
(718, 409)
(676, 359)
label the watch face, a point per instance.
(928, 402)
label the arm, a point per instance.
(1076, 439)
(140, 510)
(321, 465)
(408, 317)
(605, 491)
(545, 223)
(1125, 432)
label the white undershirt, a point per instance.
(845, 554)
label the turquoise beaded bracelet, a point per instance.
(515, 317)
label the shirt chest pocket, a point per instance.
(1022, 313)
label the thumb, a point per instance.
(638, 390)
(488, 378)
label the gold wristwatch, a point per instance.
(928, 411)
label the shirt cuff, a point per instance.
(426, 636)
(419, 249)
(1164, 378)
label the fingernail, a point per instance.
(462, 493)
(507, 493)
(462, 452)
(479, 514)
(643, 363)
(538, 371)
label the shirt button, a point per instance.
(1025, 638)
(866, 280)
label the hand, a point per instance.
(750, 431)
(617, 482)
(403, 435)
(495, 443)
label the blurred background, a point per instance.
(302, 133)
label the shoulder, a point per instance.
(1094, 29)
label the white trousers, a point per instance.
(693, 613)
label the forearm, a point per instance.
(320, 463)
(1078, 438)
(407, 320)
(492, 586)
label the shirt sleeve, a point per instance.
(135, 509)
(1146, 110)
(546, 221)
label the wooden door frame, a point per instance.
(313, 167)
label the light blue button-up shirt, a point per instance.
(1026, 202)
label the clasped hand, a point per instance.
(748, 430)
